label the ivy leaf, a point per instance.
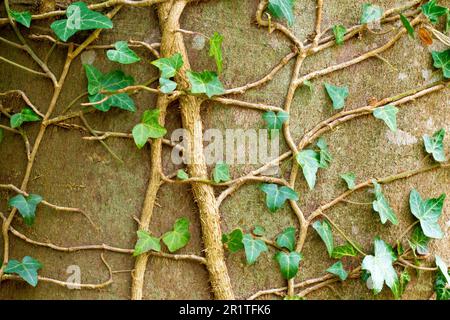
(215, 50)
(432, 11)
(253, 248)
(324, 154)
(26, 115)
(167, 86)
(441, 288)
(179, 236)
(428, 213)
(233, 240)
(94, 77)
(442, 61)
(22, 17)
(337, 95)
(388, 114)
(79, 17)
(419, 241)
(339, 33)
(346, 250)
(380, 266)
(286, 239)
(381, 205)
(182, 175)
(435, 145)
(309, 160)
(399, 287)
(26, 206)
(122, 54)
(349, 178)
(274, 120)
(169, 66)
(338, 270)
(324, 230)
(371, 13)
(259, 231)
(221, 173)
(27, 269)
(206, 82)
(145, 243)
(282, 9)
(149, 128)
(288, 263)
(443, 268)
(407, 25)
(277, 196)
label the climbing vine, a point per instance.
(384, 264)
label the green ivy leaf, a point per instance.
(443, 268)
(167, 86)
(419, 241)
(309, 160)
(326, 234)
(337, 95)
(27, 269)
(339, 33)
(169, 66)
(259, 231)
(407, 25)
(145, 243)
(428, 213)
(432, 11)
(442, 61)
(148, 128)
(399, 286)
(182, 175)
(233, 240)
(221, 173)
(22, 17)
(122, 54)
(277, 196)
(286, 239)
(324, 154)
(371, 13)
(26, 115)
(440, 287)
(253, 248)
(338, 270)
(179, 236)
(349, 178)
(206, 82)
(388, 114)
(346, 250)
(381, 205)
(380, 267)
(282, 9)
(435, 145)
(215, 50)
(79, 17)
(26, 206)
(274, 120)
(288, 263)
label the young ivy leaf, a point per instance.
(380, 267)
(432, 11)
(233, 240)
(324, 154)
(259, 231)
(441, 288)
(274, 120)
(221, 173)
(253, 248)
(286, 239)
(288, 263)
(26, 206)
(407, 25)
(337, 95)
(443, 268)
(169, 66)
(371, 13)
(324, 230)
(349, 178)
(339, 33)
(442, 61)
(22, 17)
(388, 114)
(27, 269)
(182, 175)
(215, 50)
(26, 115)
(338, 270)
(122, 54)
(435, 145)
(399, 287)
(381, 205)
(145, 243)
(167, 86)
(419, 241)
(148, 128)
(428, 213)
(206, 82)
(179, 236)
(79, 17)
(309, 160)
(346, 250)
(277, 196)
(282, 9)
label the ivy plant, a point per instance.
(309, 161)
(179, 236)
(442, 61)
(371, 13)
(381, 205)
(433, 11)
(27, 269)
(337, 95)
(323, 228)
(277, 196)
(221, 173)
(428, 212)
(339, 32)
(26, 205)
(215, 50)
(206, 82)
(349, 178)
(26, 115)
(148, 128)
(22, 17)
(145, 243)
(288, 263)
(388, 114)
(122, 53)
(253, 248)
(338, 270)
(282, 9)
(233, 240)
(435, 145)
(286, 239)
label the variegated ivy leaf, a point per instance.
(169, 66)
(22, 17)
(326, 234)
(381, 205)
(338, 270)
(206, 82)
(337, 95)
(428, 212)
(324, 154)
(388, 114)
(433, 11)
(346, 250)
(339, 33)
(122, 53)
(286, 239)
(288, 263)
(441, 287)
(435, 145)
(215, 50)
(349, 178)
(277, 196)
(253, 248)
(371, 13)
(309, 160)
(399, 287)
(282, 9)
(442, 61)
